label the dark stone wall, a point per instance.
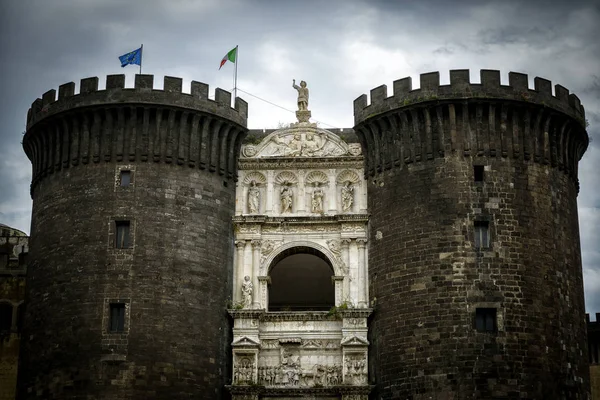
(426, 277)
(175, 277)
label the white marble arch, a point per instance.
(339, 268)
(336, 264)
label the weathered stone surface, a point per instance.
(427, 277)
(175, 277)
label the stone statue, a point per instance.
(253, 198)
(286, 197)
(347, 196)
(295, 145)
(247, 289)
(317, 199)
(302, 95)
(313, 145)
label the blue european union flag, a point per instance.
(134, 57)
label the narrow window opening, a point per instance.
(117, 317)
(485, 320)
(482, 234)
(478, 173)
(6, 312)
(125, 178)
(122, 234)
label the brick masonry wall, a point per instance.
(426, 277)
(174, 279)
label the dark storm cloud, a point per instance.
(341, 48)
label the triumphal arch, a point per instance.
(300, 298)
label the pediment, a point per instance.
(355, 341)
(301, 140)
(245, 341)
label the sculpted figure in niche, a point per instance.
(347, 196)
(247, 289)
(286, 197)
(317, 199)
(253, 198)
(302, 95)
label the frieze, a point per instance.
(355, 369)
(269, 343)
(354, 227)
(320, 344)
(244, 368)
(301, 140)
(286, 228)
(316, 391)
(346, 219)
(297, 316)
(247, 228)
(292, 375)
(293, 163)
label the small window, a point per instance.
(6, 312)
(482, 234)
(125, 177)
(478, 173)
(117, 317)
(485, 320)
(122, 234)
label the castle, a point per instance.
(432, 251)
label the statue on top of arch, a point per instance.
(302, 114)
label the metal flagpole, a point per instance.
(141, 53)
(237, 54)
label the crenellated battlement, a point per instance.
(120, 124)
(142, 92)
(460, 87)
(484, 119)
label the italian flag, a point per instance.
(231, 56)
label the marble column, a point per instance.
(247, 261)
(269, 202)
(238, 270)
(347, 296)
(354, 268)
(255, 272)
(301, 207)
(332, 192)
(363, 278)
(263, 291)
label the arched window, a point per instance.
(6, 312)
(301, 281)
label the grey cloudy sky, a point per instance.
(341, 48)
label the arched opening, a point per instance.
(301, 281)
(6, 311)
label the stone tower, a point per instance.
(131, 241)
(474, 256)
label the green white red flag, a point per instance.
(231, 56)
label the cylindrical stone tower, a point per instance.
(474, 261)
(131, 241)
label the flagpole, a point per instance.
(141, 54)
(237, 57)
